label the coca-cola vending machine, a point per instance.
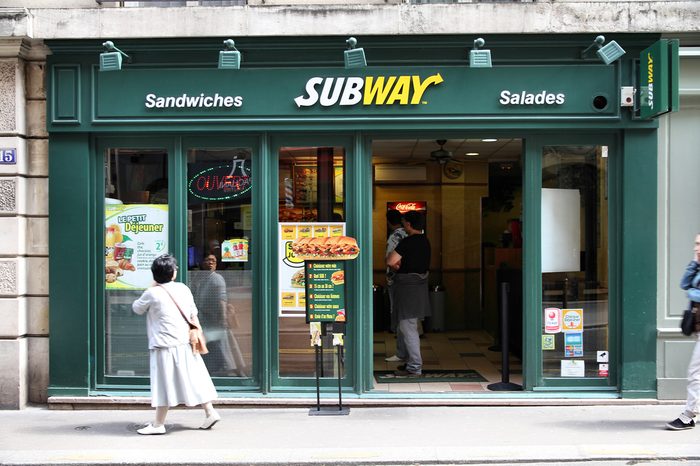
(405, 206)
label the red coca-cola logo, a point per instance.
(404, 207)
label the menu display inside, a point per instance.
(325, 291)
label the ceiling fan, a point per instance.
(441, 155)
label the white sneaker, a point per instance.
(210, 421)
(393, 358)
(151, 430)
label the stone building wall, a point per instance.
(23, 226)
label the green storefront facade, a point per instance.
(171, 111)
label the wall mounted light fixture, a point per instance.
(607, 53)
(479, 58)
(229, 59)
(111, 59)
(354, 58)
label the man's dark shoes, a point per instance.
(401, 367)
(678, 424)
(405, 373)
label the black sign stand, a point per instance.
(329, 410)
(505, 384)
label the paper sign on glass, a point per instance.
(573, 368)
(135, 234)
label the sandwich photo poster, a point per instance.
(291, 281)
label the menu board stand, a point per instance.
(325, 308)
(329, 410)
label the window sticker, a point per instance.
(572, 320)
(573, 345)
(602, 356)
(548, 342)
(552, 320)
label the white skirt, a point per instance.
(179, 376)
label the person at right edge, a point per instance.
(691, 283)
(411, 261)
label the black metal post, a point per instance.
(318, 381)
(504, 384)
(340, 370)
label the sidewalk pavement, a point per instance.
(368, 435)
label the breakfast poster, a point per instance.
(135, 234)
(291, 281)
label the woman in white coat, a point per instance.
(178, 375)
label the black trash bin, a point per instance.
(379, 320)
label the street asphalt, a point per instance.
(608, 434)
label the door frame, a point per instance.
(176, 147)
(357, 350)
(533, 378)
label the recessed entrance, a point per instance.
(470, 192)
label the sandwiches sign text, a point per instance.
(368, 90)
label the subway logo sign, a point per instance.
(367, 90)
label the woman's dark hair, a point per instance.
(393, 216)
(163, 268)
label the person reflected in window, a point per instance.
(209, 290)
(178, 375)
(690, 282)
(411, 262)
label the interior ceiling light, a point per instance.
(111, 59)
(354, 58)
(479, 58)
(229, 59)
(607, 53)
(472, 154)
(489, 140)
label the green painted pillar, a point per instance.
(638, 245)
(71, 238)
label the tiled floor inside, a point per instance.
(447, 350)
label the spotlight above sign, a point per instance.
(354, 58)
(229, 59)
(479, 58)
(111, 59)
(608, 53)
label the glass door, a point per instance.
(134, 226)
(575, 312)
(311, 203)
(220, 252)
(192, 197)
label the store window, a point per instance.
(219, 251)
(311, 203)
(136, 231)
(575, 267)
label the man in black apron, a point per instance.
(411, 261)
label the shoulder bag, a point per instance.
(689, 322)
(199, 344)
